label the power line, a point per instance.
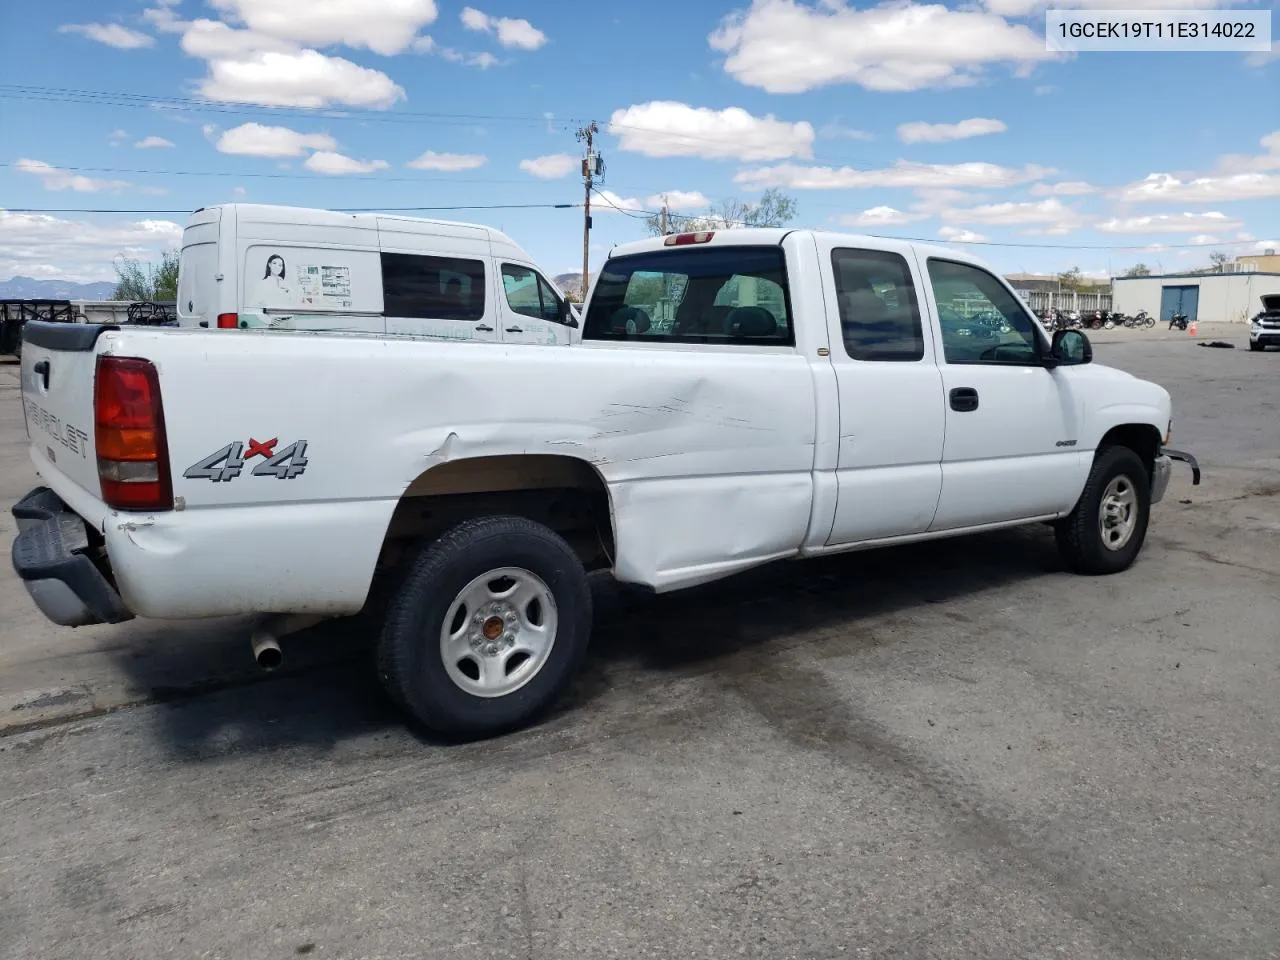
(336, 209)
(318, 178)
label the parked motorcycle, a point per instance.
(1178, 320)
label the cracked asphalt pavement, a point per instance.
(953, 750)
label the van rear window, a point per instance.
(432, 288)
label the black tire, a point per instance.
(410, 662)
(1079, 534)
(1257, 347)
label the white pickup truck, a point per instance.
(736, 398)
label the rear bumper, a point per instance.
(1163, 468)
(51, 556)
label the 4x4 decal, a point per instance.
(226, 464)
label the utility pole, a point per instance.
(591, 164)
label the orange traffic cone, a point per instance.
(1191, 329)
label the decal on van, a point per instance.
(226, 463)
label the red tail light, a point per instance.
(228, 321)
(133, 454)
(681, 239)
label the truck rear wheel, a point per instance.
(1106, 530)
(486, 628)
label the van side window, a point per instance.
(529, 295)
(432, 288)
(728, 294)
(879, 313)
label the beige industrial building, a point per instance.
(1203, 297)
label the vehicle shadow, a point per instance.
(212, 700)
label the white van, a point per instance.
(293, 268)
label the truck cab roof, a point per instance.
(771, 236)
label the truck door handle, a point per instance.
(485, 327)
(41, 370)
(964, 399)
(515, 330)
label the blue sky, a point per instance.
(906, 119)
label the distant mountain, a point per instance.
(28, 288)
(571, 283)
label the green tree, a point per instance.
(1071, 279)
(138, 281)
(1138, 270)
(775, 209)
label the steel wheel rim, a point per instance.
(498, 632)
(1118, 513)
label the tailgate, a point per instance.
(58, 366)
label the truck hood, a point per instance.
(1270, 302)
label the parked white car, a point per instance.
(737, 398)
(245, 265)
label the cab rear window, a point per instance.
(730, 295)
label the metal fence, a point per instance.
(1066, 300)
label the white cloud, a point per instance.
(55, 178)
(606, 201)
(1170, 223)
(423, 45)
(213, 39)
(483, 60)
(150, 143)
(957, 235)
(257, 140)
(680, 200)
(1203, 239)
(1022, 8)
(919, 132)
(838, 131)
(112, 34)
(239, 192)
(335, 164)
(1051, 211)
(551, 167)
(784, 46)
(879, 217)
(49, 247)
(119, 133)
(163, 18)
(1166, 188)
(1260, 58)
(384, 26)
(512, 34)
(448, 162)
(903, 173)
(301, 79)
(1067, 188)
(666, 128)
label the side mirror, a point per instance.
(1070, 348)
(566, 314)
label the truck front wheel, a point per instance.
(486, 628)
(1105, 531)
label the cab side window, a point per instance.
(981, 321)
(879, 313)
(529, 295)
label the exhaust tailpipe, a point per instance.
(266, 650)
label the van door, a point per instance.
(198, 270)
(531, 311)
(435, 280)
